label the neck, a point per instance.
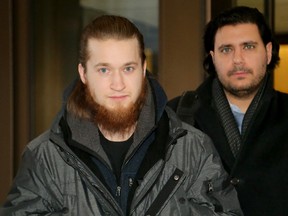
(118, 136)
(241, 102)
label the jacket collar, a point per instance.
(84, 133)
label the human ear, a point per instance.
(144, 68)
(269, 52)
(82, 74)
(212, 55)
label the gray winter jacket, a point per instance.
(188, 180)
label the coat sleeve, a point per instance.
(33, 191)
(211, 192)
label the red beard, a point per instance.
(119, 120)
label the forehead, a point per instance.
(231, 34)
(113, 48)
(95, 44)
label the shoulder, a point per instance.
(38, 141)
(280, 102)
(185, 100)
(39, 144)
(194, 139)
(173, 103)
(40, 150)
(283, 96)
(198, 140)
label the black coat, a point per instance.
(260, 172)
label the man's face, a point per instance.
(114, 73)
(114, 77)
(240, 58)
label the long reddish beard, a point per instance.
(119, 120)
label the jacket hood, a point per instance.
(84, 134)
(159, 96)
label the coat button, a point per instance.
(182, 200)
(176, 177)
(65, 210)
(234, 181)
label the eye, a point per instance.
(129, 69)
(226, 50)
(249, 46)
(103, 70)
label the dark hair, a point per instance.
(238, 15)
(109, 27)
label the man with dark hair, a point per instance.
(242, 113)
(114, 148)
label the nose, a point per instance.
(117, 81)
(238, 56)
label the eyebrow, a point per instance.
(131, 63)
(223, 46)
(107, 64)
(101, 64)
(243, 43)
(250, 42)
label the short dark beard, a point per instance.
(116, 121)
(244, 92)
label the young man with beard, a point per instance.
(242, 113)
(114, 148)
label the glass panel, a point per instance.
(280, 74)
(55, 32)
(252, 3)
(143, 13)
(281, 17)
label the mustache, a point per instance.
(238, 69)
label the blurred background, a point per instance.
(39, 50)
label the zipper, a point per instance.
(91, 180)
(130, 182)
(85, 172)
(118, 188)
(138, 146)
(118, 191)
(210, 187)
(177, 134)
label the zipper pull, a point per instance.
(130, 182)
(118, 191)
(210, 187)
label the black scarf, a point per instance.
(229, 124)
